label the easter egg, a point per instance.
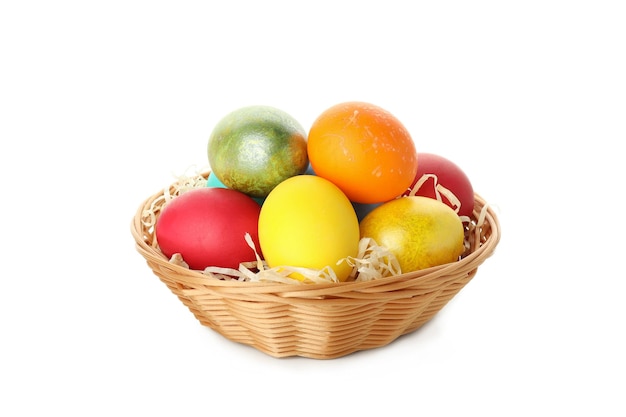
(363, 209)
(307, 221)
(420, 231)
(363, 149)
(252, 149)
(213, 181)
(439, 178)
(207, 227)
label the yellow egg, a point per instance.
(307, 221)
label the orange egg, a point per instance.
(364, 150)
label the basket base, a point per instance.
(281, 330)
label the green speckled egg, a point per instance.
(255, 148)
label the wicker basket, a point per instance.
(320, 321)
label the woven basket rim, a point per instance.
(470, 262)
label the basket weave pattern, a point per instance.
(320, 321)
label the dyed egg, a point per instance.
(420, 231)
(363, 209)
(435, 171)
(363, 149)
(252, 149)
(213, 181)
(207, 226)
(307, 221)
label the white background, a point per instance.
(102, 103)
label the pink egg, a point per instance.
(207, 226)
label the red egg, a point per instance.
(435, 170)
(207, 226)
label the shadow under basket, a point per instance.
(319, 321)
